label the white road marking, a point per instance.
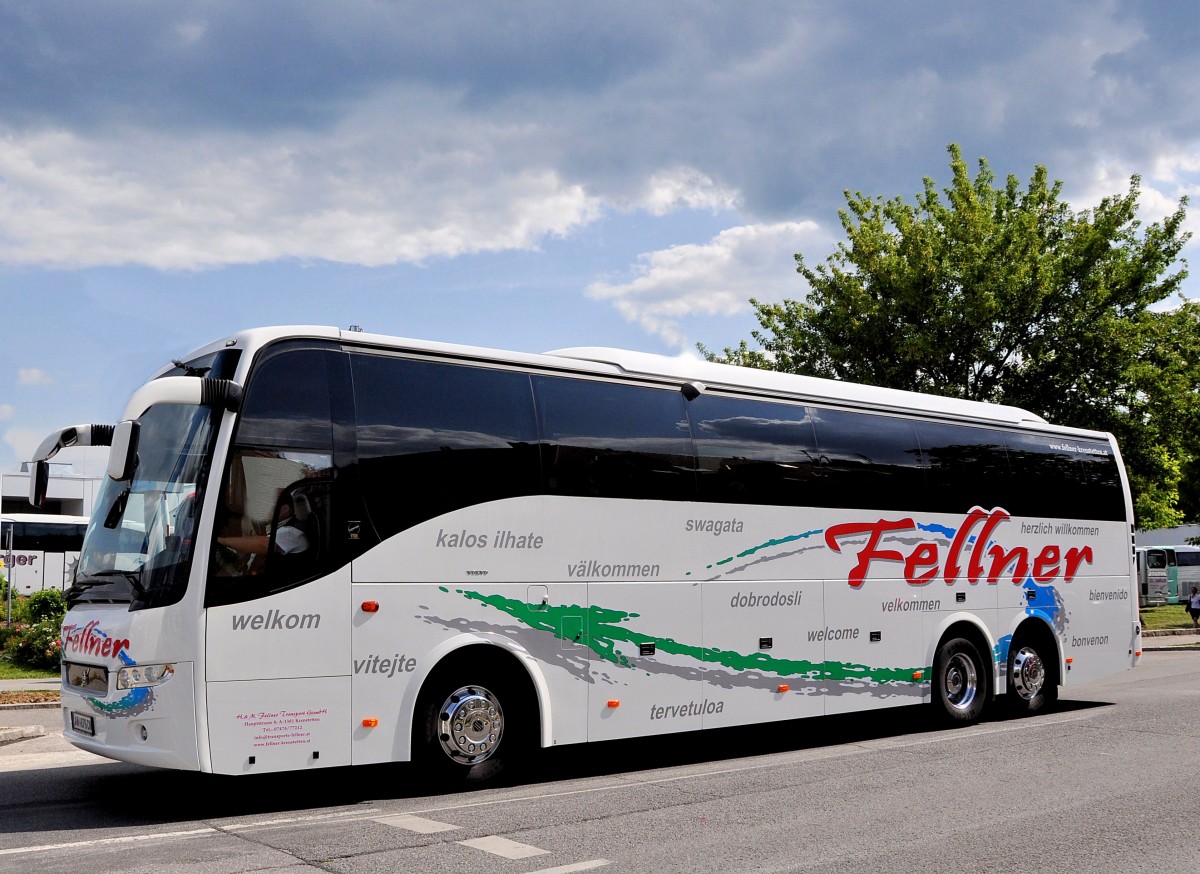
(503, 847)
(418, 824)
(576, 866)
(105, 841)
(40, 761)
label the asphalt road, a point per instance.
(1106, 783)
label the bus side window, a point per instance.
(871, 458)
(968, 467)
(754, 452)
(613, 440)
(255, 512)
(434, 437)
(299, 531)
(1076, 478)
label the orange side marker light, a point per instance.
(918, 675)
(1070, 660)
(370, 606)
(370, 722)
(614, 702)
(782, 687)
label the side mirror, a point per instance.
(76, 435)
(39, 482)
(122, 458)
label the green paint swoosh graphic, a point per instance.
(604, 629)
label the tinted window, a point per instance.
(869, 461)
(1068, 476)
(48, 536)
(967, 467)
(435, 437)
(287, 403)
(272, 527)
(754, 452)
(1188, 559)
(610, 440)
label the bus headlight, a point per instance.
(139, 676)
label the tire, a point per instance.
(1032, 682)
(960, 682)
(473, 725)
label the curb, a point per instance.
(21, 732)
(41, 705)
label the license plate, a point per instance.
(83, 724)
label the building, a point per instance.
(1177, 536)
(69, 493)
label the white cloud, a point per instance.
(402, 136)
(227, 200)
(33, 376)
(384, 188)
(716, 278)
(684, 188)
(6, 412)
(1172, 175)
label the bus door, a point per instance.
(277, 660)
(1173, 593)
(1158, 584)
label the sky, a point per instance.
(520, 175)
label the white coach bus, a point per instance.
(320, 548)
(39, 550)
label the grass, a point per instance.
(13, 671)
(1165, 617)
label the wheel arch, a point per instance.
(462, 649)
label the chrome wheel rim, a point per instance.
(1028, 673)
(961, 682)
(470, 725)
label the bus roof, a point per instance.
(44, 518)
(682, 368)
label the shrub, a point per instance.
(47, 604)
(36, 645)
(20, 609)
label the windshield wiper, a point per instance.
(134, 578)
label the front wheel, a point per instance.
(960, 681)
(1032, 686)
(470, 731)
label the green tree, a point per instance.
(1004, 294)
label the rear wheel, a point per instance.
(1032, 684)
(960, 681)
(473, 725)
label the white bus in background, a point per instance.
(318, 548)
(1166, 574)
(39, 550)
(1187, 560)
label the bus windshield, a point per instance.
(139, 542)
